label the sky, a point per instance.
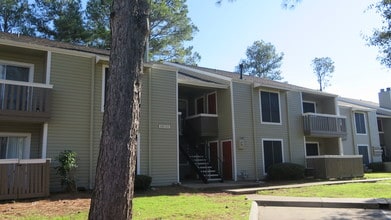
(315, 28)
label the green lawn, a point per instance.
(380, 189)
(194, 206)
(377, 175)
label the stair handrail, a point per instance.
(202, 176)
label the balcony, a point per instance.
(24, 101)
(202, 125)
(322, 125)
(336, 166)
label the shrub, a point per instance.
(376, 167)
(66, 169)
(142, 182)
(285, 171)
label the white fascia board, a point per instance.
(160, 66)
(202, 84)
(186, 68)
(46, 48)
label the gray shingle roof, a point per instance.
(52, 43)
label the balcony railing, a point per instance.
(203, 125)
(322, 125)
(22, 179)
(24, 101)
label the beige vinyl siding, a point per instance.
(38, 59)
(97, 118)
(224, 113)
(295, 145)
(373, 135)
(327, 146)
(164, 148)
(271, 131)
(349, 143)
(144, 124)
(69, 126)
(33, 128)
(244, 131)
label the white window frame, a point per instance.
(365, 123)
(102, 107)
(311, 102)
(196, 105)
(263, 153)
(20, 64)
(26, 152)
(207, 102)
(311, 142)
(279, 107)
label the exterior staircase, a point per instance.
(202, 166)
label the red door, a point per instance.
(213, 154)
(227, 160)
(212, 104)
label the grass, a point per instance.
(192, 207)
(380, 189)
(377, 175)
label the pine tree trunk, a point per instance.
(113, 192)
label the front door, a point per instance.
(227, 160)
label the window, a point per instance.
(309, 107)
(16, 71)
(360, 123)
(363, 150)
(272, 153)
(312, 149)
(15, 146)
(199, 105)
(105, 76)
(212, 103)
(270, 107)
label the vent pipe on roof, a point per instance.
(241, 70)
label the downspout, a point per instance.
(149, 122)
(340, 145)
(233, 130)
(369, 136)
(353, 131)
(92, 101)
(254, 133)
(288, 127)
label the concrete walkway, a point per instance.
(251, 190)
(301, 204)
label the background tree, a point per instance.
(60, 20)
(115, 171)
(381, 38)
(323, 69)
(170, 29)
(14, 17)
(263, 61)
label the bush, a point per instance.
(142, 182)
(66, 169)
(285, 171)
(376, 167)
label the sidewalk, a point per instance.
(255, 189)
(263, 206)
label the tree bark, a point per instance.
(114, 181)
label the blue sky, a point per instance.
(316, 28)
